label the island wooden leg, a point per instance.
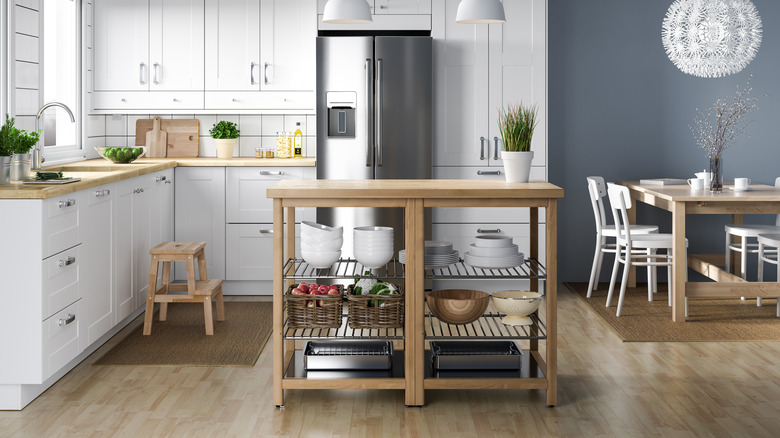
(278, 303)
(679, 263)
(414, 326)
(533, 253)
(551, 297)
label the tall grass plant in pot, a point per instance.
(225, 134)
(517, 124)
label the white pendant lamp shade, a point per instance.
(480, 12)
(347, 12)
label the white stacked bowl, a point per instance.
(373, 246)
(321, 244)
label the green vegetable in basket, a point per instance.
(381, 288)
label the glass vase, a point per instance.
(716, 168)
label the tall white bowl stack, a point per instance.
(321, 244)
(373, 246)
(493, 251)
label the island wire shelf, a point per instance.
(343, 332)
(489, 326)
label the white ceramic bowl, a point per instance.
(322, 246)
(372, 245)
(493, 240)
(315, 229)
(372, 231)
(489, 251)
(517, 305)
(373, 259)
(320, 259)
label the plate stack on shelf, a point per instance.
(437, 254)
(493, 252)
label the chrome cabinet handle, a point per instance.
(495, 150)
(268, 172)
(156, 82)
(481, 231)
(106, 192)
(141, 75)
(265, 73)
(266, 231)
(67, 262)
(138, 191)
(482, 148)
(369, 105)
(68, 203)
(101, 193)
(252, 73)
(67, 320)
(161, 178)
(379, 81)
(175, 99)
(488, 172)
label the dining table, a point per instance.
(681, 201)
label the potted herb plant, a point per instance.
(225, 134)
(517, 124)
(6, 149)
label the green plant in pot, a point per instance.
(15, 146)
(517, 124)
(225, 134)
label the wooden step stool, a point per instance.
(204, 291)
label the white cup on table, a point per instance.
(741, 183)
(706, 176)
(696, 183)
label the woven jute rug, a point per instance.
(182, 340)
(708, 320)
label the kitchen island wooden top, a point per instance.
(412, 188)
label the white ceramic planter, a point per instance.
(225, 147)
(517, 165)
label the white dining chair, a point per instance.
(773, 241)
(636, 249)
(745, 232)
(598, 190)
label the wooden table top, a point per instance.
(683, 193)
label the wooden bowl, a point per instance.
(457, 306)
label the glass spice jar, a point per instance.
(269, 152)
(259, 153)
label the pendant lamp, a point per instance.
(347, 12)
(480, 12)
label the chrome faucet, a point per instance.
(37, 158)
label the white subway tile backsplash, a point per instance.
(206, 123)
(272, 125)
(131, 122)
(311, 125)
(247, 145)
(91, 144)
(116, 125)
(250, 125)
(290, 121)
(207, 147)
(116, 141)
(95, 126)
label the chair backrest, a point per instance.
(620, 202)
(777, 184)
(597, 190)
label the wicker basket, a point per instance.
(389, 315)
(325, 313)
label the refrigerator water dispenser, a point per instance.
(341, 113)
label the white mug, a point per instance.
(741, 183)
(696, 183)
(706, 176)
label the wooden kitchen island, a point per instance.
(413, 373)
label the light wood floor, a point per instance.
(607, 388)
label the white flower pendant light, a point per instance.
(480, 12)
(711, 38)
(347, 12)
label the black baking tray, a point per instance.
(475, 355)
(347, 355)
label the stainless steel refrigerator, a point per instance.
(374, 117)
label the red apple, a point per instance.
(298, 291)
(333, 286)
(304, 287)
(320, 303)
(314, 292)
(323, 290)
(310, 304)
(333, 291)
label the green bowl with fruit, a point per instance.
(121, 155)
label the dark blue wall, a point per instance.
(619, 108)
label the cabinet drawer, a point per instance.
(480, 215)
(147, 100)
(60, 224)
(61, 339)
(245, 193)
(249, 254)
(60, 280)
(260, 100)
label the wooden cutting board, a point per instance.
(182, 135)
(156, 141)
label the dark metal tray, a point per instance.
(475, 355)
(348, 355)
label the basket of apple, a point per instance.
(311, 305)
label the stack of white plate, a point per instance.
(493, 251)
(373, 246)
(321, 244)
(437, 254)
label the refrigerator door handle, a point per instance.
(379, 112)
(368, 112)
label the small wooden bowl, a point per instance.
(457, 306)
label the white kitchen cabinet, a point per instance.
(288, 31)
(122, 269)
(250, 251)
(245, 192)
(200, 214)
(148, 46)
(97, 255)
(232, 30)
(479, 69)
(402, 7)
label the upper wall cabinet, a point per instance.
(148, 45)
(387, 15)
(480, 68)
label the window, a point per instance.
(61, 71)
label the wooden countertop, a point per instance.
(412, 188)
(683, 193)
(99, 171)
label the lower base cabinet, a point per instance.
(250, 251)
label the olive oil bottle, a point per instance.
(298, 141)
